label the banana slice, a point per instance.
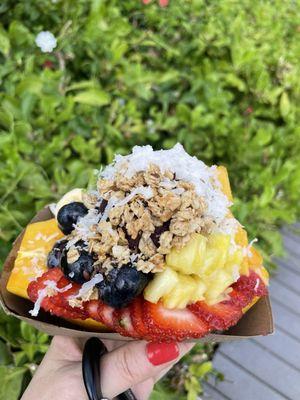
(69, 197)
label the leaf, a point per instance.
(82, 85)
(285, 105)
(201, 370)
(4, 42)
(11, 382)
(92, 97)
(28, 332)
(263, 137)
(6, 119)
(5, 354)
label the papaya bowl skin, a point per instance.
(257, 321)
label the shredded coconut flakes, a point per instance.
(184, 166)
(50, 289)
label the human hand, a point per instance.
(136, 365)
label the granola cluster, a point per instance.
(141, 219)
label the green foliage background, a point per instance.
(221, 77)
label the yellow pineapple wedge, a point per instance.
(216, 253)
(188, 289)
(217, 286)
(190, 258)
(161, 284)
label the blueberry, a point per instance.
(122, 285)
(68, 216)
(54, 257)
(80, 270)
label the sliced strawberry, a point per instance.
(53, 274)
(123, 323)
(136, 308)
(169, 325)
(222, 315)
(53, 302)
(91, 308)
(251, 286)
(105, 313)
(63, 296)
(219, 316)
(238, 298)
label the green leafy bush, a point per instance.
(221, 77)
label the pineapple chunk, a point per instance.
(199, 293)
(234, 261)
(189, 289)
(162, 284)
(244, 267)
(216, 253)
(190, 258)
(182, 293)
(219, 283)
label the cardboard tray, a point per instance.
(257, 321)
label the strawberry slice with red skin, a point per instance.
(61, 299)
(53, 303)
(136, 308)
(238, 298)
(53, 274)
(91, 308)
(251, 286)
(219, 316)
(176, 324)
(106, 316)
(222, 315)
(123, 323)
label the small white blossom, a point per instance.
(46, 41)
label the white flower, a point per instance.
(46, 41)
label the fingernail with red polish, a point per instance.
(160, 353)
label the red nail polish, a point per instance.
(160, 353)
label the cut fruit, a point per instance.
(123, 323)
(106, 315)
(254, 301)
(91, 308)
(46, 294)
(218, 285)
(251, 286)
(190, 258)
(89, 324)
(162, 284)
(255, 258)
(61, 299)
(219, 316)
(185, 291)
(69, 197)
(31, 260)
(136, 308)
(224, 180)
(241, 237)
(233, 262)
(174, 289)
(170, 325)
(216, 253)
(244, 293)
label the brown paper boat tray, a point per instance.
(257, 321)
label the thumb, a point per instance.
(136, 362)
